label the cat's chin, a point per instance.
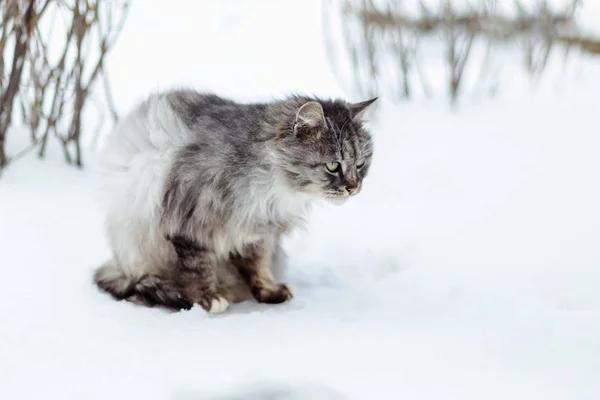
(337, 201)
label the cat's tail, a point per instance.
(151, 290)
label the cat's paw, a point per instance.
(274, 295)
(215, 304)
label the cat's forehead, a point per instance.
(336, 111)
(343, 128)
(339, 118)
(346, 127)
(345, 139)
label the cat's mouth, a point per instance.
(336, 197)
(339, 195)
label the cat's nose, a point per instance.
(351, 189)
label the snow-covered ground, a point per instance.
(468, 267)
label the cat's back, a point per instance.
(214, 119)
(159, 126)
(140, 151)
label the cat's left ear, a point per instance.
(357, 110)
(309, 119)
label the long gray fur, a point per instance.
(201, 189)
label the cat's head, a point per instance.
(323, 148)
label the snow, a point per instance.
(467, 268)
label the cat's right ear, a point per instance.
(357, 110)
(309, 119)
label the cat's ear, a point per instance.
(309, 118)
(357, 110)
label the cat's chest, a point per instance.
(272, 206)
(265, 222)
(249, 225)
(237, 237)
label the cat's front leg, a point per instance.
(255, 269)
(196, 273)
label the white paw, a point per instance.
(292, 289)
(218, 305)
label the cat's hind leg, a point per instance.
(149, 290)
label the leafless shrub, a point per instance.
(18, 20)
(385, 57)
(53, 80)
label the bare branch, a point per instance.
(48, 86)
(22, 34)
(386, 30)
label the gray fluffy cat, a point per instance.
(200, 190)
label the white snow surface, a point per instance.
(467, 268)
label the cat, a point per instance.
(201, 189)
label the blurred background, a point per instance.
(69, 69)
(467, 268)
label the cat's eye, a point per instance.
(360, 164)
(332, 166)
